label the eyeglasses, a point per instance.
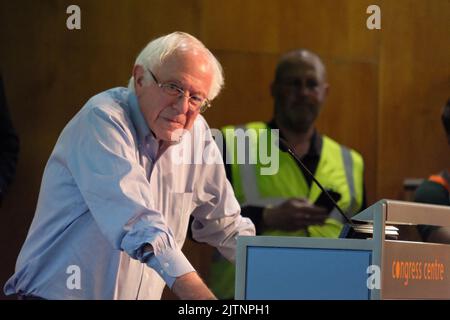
(196, 102)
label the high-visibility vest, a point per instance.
(339, 169)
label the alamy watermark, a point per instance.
(374, 279)
(73, 281)
(74, 20)
(374, 20)
(244, 146)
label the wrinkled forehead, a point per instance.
(190, 60)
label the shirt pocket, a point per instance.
(180, 207)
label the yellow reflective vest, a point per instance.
(339, 169)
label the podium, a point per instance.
(297, 268)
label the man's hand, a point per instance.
(294, 214)
(191, 287)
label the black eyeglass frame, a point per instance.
(177, 91)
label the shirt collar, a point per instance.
(315, 147)
(138, 119)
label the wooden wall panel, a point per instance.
(387, 86)
(235, 25)
(246, 95)
(350, 111)
(414, 86)
(331, 28)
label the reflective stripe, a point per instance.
(251, 192)
(348, 165)
(248, 176)
(252, 198)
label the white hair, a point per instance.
(159, 49)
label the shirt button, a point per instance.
(166, 264)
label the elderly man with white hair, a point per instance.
(114, 206)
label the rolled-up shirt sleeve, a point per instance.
(165, 258)
(105, 166)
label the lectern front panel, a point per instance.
(301, 273)
(415, 270)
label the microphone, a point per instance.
(285, 147)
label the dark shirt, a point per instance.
(9, 144)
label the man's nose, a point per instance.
(182, 104)
(302, 90)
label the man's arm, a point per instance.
(191, 287)
(188, 286)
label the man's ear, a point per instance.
(139, 78)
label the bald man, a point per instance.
(288, 203)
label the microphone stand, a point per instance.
(285, 147)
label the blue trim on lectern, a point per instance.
(306, 273)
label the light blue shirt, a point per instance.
(105, 194)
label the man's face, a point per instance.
(165, 114)
(299, 94)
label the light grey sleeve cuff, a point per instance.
(169, 264)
